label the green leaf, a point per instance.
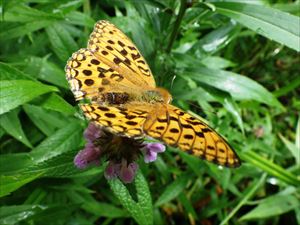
(57, 103)
(60, 165)
(173, 190)
(18, 92)
(66, 139)
(272, 206)
(11, 124)
(216, 62)
(12, 164)
(47, 121)
(79, 18)
(271, 23)
(9, 30)
(292, 147)
(271, 168)
(39, 213)
(248, 194)
(144, 197)
(240, 87)
(62, 42)
(21, 12)
(141, 211)
(8, 72)
(12, 183)
(105, 209)
(44, 70)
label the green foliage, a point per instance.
(234, 61)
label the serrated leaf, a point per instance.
(66, 139)
(136, 209)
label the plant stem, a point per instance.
(183, 7)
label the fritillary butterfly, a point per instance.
(114, 76)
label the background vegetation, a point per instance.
(235, 63)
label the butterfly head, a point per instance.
(157, 95)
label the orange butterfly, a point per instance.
(114, 76)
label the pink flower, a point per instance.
(150, 151)
(88, 156)
(126, 172)
(92, 132)
(121, 152)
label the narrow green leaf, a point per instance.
(17, 92)
(12, 164)
(173, 190)
(15, 214)
(247, 195)
(24, 13)
(216, 62)
(57, 103)
(47, 121)
(79, 18)
(47, 71)
(9, 30)
(187, 204)
(271, 23)
(11, 124)
(66, 139)
(105, 210)
(8, 72)
(292, 147)
(62, 42)
(272, 206)
(240, 87)
(271, 168)
(12, 183)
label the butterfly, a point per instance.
(123, 98)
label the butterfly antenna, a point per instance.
(172, 82)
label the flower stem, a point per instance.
(183, 7)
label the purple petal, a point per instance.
(156, 147)
(149, 156)
(92, 132)
(111, 170)
(127, 172)
(89, 155)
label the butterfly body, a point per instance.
(124, 99)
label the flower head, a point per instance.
(121, 152)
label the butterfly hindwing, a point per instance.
(179, 129)
(127, 120)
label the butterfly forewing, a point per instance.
(118, 51)
(89, 76)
